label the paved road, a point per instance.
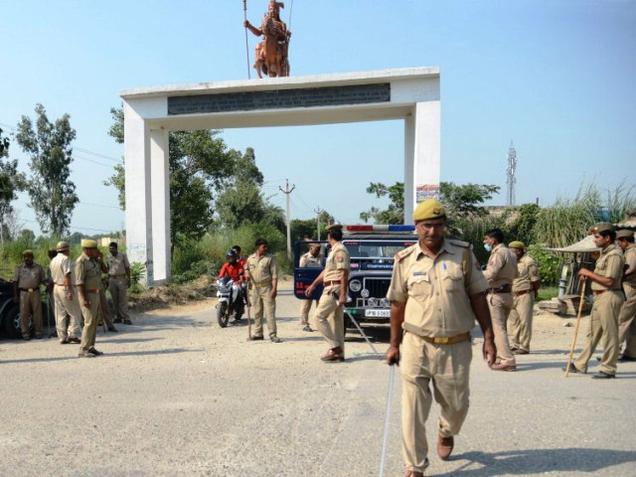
(177, 395)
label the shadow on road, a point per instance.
(536, 461)
(106, 355)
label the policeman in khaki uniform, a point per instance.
(437, 290)
(524, 288)
(329, 314)
(118, 282)
(626, 321)
(310, 259)
(500, 272)
(262, 273)
(67, 311)
(608, 299)
(88, 273)
(28, 278)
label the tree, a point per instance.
(118, 179)
(464, 201)
(394, 214)
(11, 181)
(51, 191)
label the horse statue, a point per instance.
(271, 53)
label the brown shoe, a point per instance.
(74, 339)
(520, 351)
(64, 341)
(503, 367)
(334, 355)
(85, 354)
(445, 446)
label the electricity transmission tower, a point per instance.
(511, 174)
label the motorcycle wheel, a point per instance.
(222, 316)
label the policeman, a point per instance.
(626, 321)
(67, 311)
(263, 281)
(500, 272)
(88, 269)
(311, 259)
(437, 290)
(524, 289)
(329, 314)
(608, 299)
(26, 291)
(118, 282)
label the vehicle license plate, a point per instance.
(377, 313)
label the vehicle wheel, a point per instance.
(222, 316)
(11, 323)
(238, 313)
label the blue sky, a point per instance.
(556, 77)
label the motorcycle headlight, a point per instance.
(355, 286)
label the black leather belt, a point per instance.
(501, 289)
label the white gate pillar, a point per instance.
(160, 189)
(421, 155)
(138, 191)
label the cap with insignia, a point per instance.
(429, 209)
(88, 243)
(61, 246)
(625, 233)
(27, 253)
(335, 226)
(517, 244)
(601, 227)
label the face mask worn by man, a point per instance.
(488, 247)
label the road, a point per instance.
(177, 395)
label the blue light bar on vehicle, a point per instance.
(401, 228)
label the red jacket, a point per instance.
(232, 270)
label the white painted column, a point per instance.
(426, 152)
(409, 160)
(160, 189)
(138, 193)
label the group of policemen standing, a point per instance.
(77, 293)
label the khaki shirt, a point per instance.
(610, 264)
(630, 261)
(502, 267)
(261, 270)
(528, 274)
(88, 273)
(307, 260)
(60, 266)
(29, 277)
(437, 290)
(338, 262)
(117, 264)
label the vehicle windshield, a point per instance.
(375, 249)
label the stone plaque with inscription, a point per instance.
(280, 99)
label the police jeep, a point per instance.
(371, 248)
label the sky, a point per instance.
(556, 77)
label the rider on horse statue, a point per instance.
(271, 53)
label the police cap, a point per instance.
(89, 243)
(27, 253)
(601, 227)
(428, 210)
(517, 244)
(625, 233)
(61, 246)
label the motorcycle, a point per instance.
(231, 303)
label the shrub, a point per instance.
(548, 263)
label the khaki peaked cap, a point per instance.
(625, 233)
(89, 243)
(429, 209)
(517, 244)
(601, 227)
(61, 246)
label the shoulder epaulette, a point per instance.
(402, 254)
(460, 243)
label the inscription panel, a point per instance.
(280, 99)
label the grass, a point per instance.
(547, 293)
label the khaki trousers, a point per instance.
(262, 301)
(329, 317)
(90, 321)
(500, 305)
(626, 321)
(30, 307)
(603, 324)
(67, 314)
(305, 306)
(520, 321)
(447, 367)
(118, 288)
(104, 311)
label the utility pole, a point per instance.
(318, 211)
(511, 173)
(287, 191)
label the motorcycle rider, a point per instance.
(232, 268)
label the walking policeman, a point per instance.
(67, 310)
(437, 290)
(28, 278)
(524, 288)
(88, 273)
(263, 281)
(608, 299)
(626, 318)
(310, 259)
(118, 282)
(330, 311)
